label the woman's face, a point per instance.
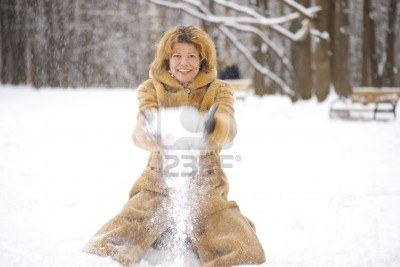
(185, 62)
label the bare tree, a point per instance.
(390, 72)
(111, 44)
(205, 24)
(260, 55)
(370, 76)
(301, 58)
(248, 23)
(338, 31)
(38, 44)
(12, 38)
(51, 44)
(321, 56)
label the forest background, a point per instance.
(300, 48)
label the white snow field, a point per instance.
(321, 191)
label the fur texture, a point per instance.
(222, 236)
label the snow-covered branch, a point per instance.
(208, 16)
(247, 28)
(277, 50)
(239, 45)
(185, 7)
(247, 23)
(299, 35)
(259, 20)
(320, 35)
(254, 63)
(251, 12)
(310, 13)
(274, 21)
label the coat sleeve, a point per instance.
(147, 100)
(225, 123)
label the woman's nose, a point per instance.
(184, 61)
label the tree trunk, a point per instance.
(332, 35)
(3, 44)
(50, 58)
(19, 75)
(390, 72)
(305, 59)
(370, 76)
(86, 37)
(339, 47)
(70, 36)
(321, 75)
(62, 18)
(259, 85)
(205, 24)
(35, 44)
(7, 20)
(301, 58)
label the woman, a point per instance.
(183, 74)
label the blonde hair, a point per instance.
(185, 34)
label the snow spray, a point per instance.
(180, 132)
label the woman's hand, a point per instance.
(145, 134)
(209, 124)
(149, 127)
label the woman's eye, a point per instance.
(192, 56)
(176, 56)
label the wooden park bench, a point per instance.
(367, 99)
(241, 87)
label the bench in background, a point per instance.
(367, 99)
(241, 87)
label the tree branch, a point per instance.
(255, 64)
(259, 20)
(310, 13)
(251, 12)
(299, 35)
(279, 52)
(239, 45)
(208, 16)
(247, 28)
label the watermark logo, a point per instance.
(182, 133)
(190, 165)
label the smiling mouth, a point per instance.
(184, 71)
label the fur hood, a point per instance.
(208, 58)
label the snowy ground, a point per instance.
(321, 192)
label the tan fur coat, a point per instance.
(222, 235)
